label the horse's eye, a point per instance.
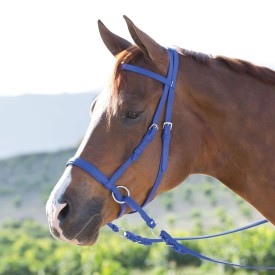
(132, 115)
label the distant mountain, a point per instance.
(36, 123)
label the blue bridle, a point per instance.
(166, 101)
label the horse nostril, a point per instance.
(63, 214)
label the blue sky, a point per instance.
(54, 46)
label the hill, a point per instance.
(27, 180)
(40, 123)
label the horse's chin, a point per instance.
(87, 235)
(89, 241)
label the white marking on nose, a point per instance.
(56, 210)
(53, 207)
(59, 189)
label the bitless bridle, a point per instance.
(167, 98)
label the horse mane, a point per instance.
(262, 74)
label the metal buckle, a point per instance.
(154, 125)
(168, 123)
(114, 197)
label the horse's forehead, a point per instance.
(135, 85)
(100, 106)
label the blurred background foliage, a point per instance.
(201, 205)
(28, 248)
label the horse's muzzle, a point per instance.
(75, 225)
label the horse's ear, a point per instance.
(148, 46)
(113, 42)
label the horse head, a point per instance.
(120, 116)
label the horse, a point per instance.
(221, 125)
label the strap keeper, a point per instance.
(153, 125)
(151, 223)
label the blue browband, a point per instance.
(167, 97)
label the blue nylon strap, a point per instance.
(170, 101)
(165, 80)
(223, 233)
(168, 92)
(171, 76)
(136, 69)
(89, 168)
(167, 126)
(136, 238)
(153, 240)
(182, 249)
(135, 207)
(148, 137)
(145, 141)
(160, 105)
(179, 248)
(114, 227)
(166, 136)
(167, 88)
(155, 187)
(98, 176)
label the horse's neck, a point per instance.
(236, 114)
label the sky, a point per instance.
(53, 46)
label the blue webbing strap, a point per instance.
(167, 95)
(110, 183)
(90, 168)
(135, 207)
(136, 238)
(136, 69)
(148, 137)
(98, 176)
(167, 126)
(179, 248)
(175, 245)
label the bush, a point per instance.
(27, 248)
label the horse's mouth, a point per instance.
(90, 241)
(88, 235)
(85, 236)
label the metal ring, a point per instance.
(121, 232)
(114, 197)
(152, 230)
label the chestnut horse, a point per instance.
(223, 118)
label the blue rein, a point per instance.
(167, 97)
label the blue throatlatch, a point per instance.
(167, 97)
